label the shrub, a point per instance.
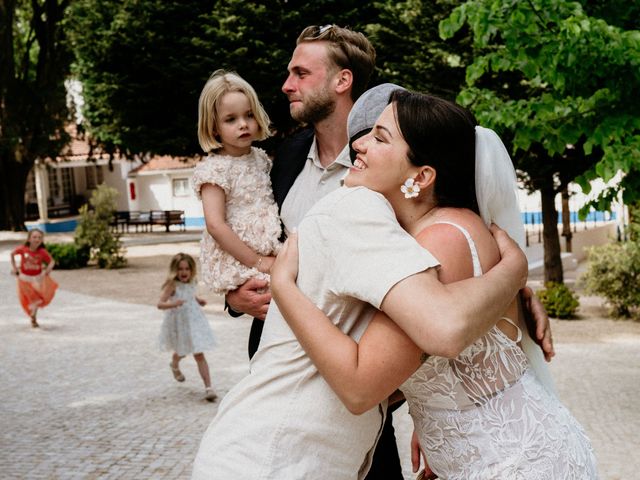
(614, 273)
(94, 229)
(68, 255)
(559, 300)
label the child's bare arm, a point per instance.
(213, 204)
(14, 267)
(50, 266)
(165, 303)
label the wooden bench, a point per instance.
(167, 218)
(145, 220)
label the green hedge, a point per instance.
(614, 273)
(558, 300)
(68, 255)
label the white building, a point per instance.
(57, 188)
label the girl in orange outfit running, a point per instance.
(35, 287)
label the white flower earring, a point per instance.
(410, 188)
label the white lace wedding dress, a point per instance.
(484, 415)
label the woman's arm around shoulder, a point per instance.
(444, 319)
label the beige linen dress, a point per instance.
(283, 421)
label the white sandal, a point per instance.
(209, 394)
(177, 374)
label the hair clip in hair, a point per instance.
(317, 31)
(410, 188)
(324, 28)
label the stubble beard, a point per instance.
(318, 108)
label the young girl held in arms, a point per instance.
(35, 287)
(243, 226)
(185, 329)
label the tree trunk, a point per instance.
(32, 99)
(551, 238)
(634, 221)
(14, 175)
(566, 219)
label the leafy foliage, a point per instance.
(558, 300)
(94, 229)
(68, 255)
(143, 63)
(410, 50)
(578, 74)
(559, 86)
(614, 273)
(140, 72)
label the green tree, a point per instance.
(140, 70)
(143, 63)
(566, 102)
(411, 52)
(34, 62)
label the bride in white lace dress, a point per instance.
(483, 413)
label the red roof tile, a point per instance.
(165, 162)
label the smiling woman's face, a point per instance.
(381, 162)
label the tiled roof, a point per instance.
(79, 149)
(165, 162)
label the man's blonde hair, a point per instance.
(346, 49)
(220, 83)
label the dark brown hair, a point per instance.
(440, 134)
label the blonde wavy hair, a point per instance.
(173, 268)
(220, 83)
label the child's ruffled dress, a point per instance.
(251, 213)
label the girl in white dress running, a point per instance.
(185, 329)
(481, 414)
(243, 228)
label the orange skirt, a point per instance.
(36, 293)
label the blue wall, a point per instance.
(57, 226)
(535, 218)
(194, 222)
(69, 225)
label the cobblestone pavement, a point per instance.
(88, 395)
